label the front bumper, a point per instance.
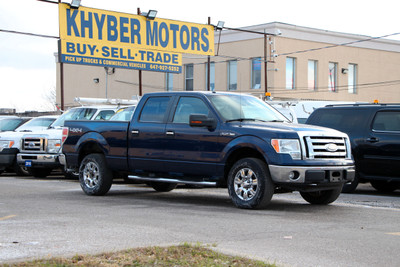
(40, 160)
(312, 174)
(7, 157)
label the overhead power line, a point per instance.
(336, 45)
(30, 34)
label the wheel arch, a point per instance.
(244, 151)
(91, 143)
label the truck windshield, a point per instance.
(74, 114)
(245, 108)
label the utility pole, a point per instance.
(208, 64)
(140, 71)
(61, 72)
(265, 63)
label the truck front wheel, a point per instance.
(94, 175)
(322, 197)
(249, 184)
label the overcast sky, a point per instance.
(27, 64)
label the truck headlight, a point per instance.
(6, 144)
(53, 145)
(287, 146)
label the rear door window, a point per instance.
(154, 109)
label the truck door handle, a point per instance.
(170, 133)
(373, 139)
(135, 131)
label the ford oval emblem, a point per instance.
(331, 147)
(31, 145)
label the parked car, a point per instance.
(374, 131)
(10, 143)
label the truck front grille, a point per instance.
(324, 147)
(30, 144)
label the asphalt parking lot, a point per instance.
(53, 217)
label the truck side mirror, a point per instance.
(200, 120)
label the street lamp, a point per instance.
(75, 3)
(151, 14)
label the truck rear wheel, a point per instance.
(94, 175)
(322, 197)
(249, 184)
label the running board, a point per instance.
(171, 181)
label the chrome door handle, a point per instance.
(170, 133)
(135, 131)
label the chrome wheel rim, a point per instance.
(246, 184)
(91, 175)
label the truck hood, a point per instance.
(290, 130)
(52, 133)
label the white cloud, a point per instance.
(23, 89)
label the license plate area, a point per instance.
(335, 176)
(28, 163)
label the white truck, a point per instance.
(10, 142)
(40, 151)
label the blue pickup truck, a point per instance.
(212, 139)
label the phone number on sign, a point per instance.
(164, 68)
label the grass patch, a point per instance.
(182, 255)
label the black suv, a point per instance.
(374, 131)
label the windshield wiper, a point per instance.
(250, 119)
(240, 119)
(276, 121)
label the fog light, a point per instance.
(294, 175)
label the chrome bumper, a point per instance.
(309, 174)
(41, 158)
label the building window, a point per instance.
(189, 77)
(312, 74)
(332, 85)
(290, 72)
(169, 81)
(232, 75)
(212, 76)
(256, 73)
(352, 78)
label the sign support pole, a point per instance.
(61, 75)
(140, 71)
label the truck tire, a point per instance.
(163, 187)
(21, 170)
(322, 197)
(94, 175)
(384, 186)
(249, 184)
(350, 187)
(39, 172)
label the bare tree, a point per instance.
(50, 97)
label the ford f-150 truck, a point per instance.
(206, 138)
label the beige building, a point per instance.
(302, 63)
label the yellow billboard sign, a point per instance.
(91, 36)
